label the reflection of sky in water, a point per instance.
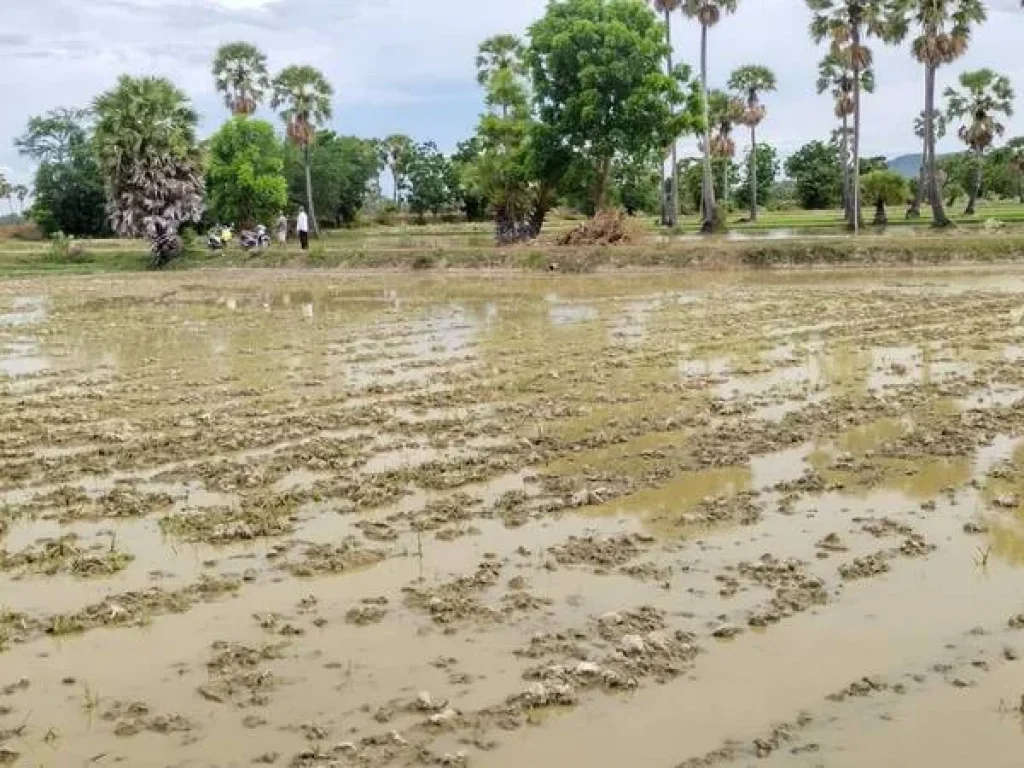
(630, 325)
(25, 310)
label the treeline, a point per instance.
(585, 110)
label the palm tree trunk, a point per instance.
(938, 214)
(915, 207)
(309, 194)
(394, 177)
(975, 184)
(709, 184)
(753, 173)
(856, 127)
(673, 207)
(845, 149)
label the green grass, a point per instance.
(812, 237)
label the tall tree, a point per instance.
(240, 71)
(245, 179)
(670, 201)
(52, 137)
(707, 13)
(6, 192)
(398, 149)
(750, 82)
(600, 86)
(145, 141)
(845, 24)
(815, 170)
(942, 33)
(303, 97)
(21, 193)
(985, 95)
(938, 130)
(344, 172)
(69, 195)
(837, 78)
(725, 111)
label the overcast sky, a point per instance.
(408, 66)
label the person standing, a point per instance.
(302, 227)
(282, 229)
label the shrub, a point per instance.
(66, 250)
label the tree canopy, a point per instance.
(246, 180)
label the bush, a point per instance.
(66, 250)
(387, 214)
(28, 232)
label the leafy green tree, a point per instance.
(691, 179)
(145, 141)
(815, 170)
(465, 182)
(398, 151)
(245, 180)
(1016, 147)
(670, 191)
(599, 84)
(636, 183)
(942, 33)
(429, 180)
(985, 95)
(240, 72)
(707, 13)
(765, 170)
(882, 188)
(303, 96)
(872, 164)
(750, 82)
(69, 194)
(836, 77)
(845, 24)
(344, 170)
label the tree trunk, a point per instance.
(914, 211)
(856, 127)
(1020, 188)
(309, 195)
(753, 173)
(880, 218)
(602, 184)
(938, 214)
(975, 183)
(673, 206)
(845, 149)
(708, 203)
(394, 176)
(725, 183)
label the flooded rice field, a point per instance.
(324, 520)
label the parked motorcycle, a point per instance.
(257, 240)
(218, 238)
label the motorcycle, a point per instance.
(255, 241)
(218, 238)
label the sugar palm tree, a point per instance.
(21, 193)
(725, 111)
(398, 149)
(1017, 164)
(240, 71)
(921, 131)
(145, 143)
(670, 208)
(942, 33)
(707, 13)
(749, 82)
(303, 96)
(6, 190)
(845, 24)
(500, 53)
(834, 76)
(985, 95)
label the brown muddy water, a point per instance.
(664, 520)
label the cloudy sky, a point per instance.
(407, 65)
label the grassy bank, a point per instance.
(470, 246)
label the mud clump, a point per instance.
(795, 590)
(603, 554)
(66, 556)
(865, 567)
(325, 559)
(225, 525)
(130, 718)
(369, 610)
(239, 675)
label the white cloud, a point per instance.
(417, 57)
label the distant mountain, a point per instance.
(909, 166)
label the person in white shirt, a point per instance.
(302, 227)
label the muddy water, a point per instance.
(630, 520)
